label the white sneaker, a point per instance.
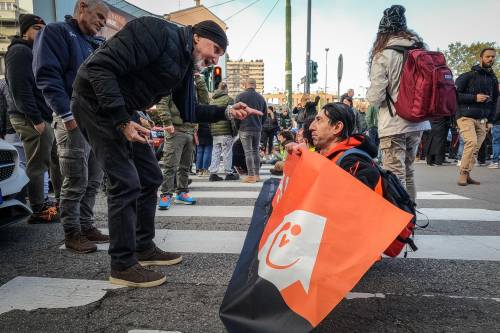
(494, 165)
(459, 163)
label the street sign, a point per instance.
(340, 68)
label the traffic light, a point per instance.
(217, 76)
(313, 70)
(207, 73)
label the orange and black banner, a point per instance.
(312, 237)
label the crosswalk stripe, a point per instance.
(207, 211)
(442, 247)
(455, 214)
(29, 293)
(225, 194)
(439, 195)
(227, 184)
(262, 176)
(431, 195)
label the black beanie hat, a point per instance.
(27, 20)
(211, 30)
(394, 20)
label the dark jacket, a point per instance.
(358, 166)
(497, 115)
(59, 50)
(254, 100)
(285, 121)
(204, 135)
(271, 123)
(146, 60)
(477, 81)
(311, 108)
(28, 100)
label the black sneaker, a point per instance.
(137, 276)
(157, 257)
(232, 176)
(214, 178)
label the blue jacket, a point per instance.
(59, 50)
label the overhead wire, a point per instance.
(202, 8)
(239, 11)
(258, 29)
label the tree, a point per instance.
(461, 57)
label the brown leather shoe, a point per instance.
(158, 257)
(462, 178)
(137, 276)
(78, 243)
(472, 181)
(249, 179)
(95, 235)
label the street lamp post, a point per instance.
(326, 69)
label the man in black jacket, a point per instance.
(31, 118)
(148, 59)
(477, 98)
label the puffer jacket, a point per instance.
(223, 127)
(477, 81)
(148, 59)
(170, 115)
(385, 73)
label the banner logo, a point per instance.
(289, 253)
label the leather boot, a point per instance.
(472, 181)
(462, 179)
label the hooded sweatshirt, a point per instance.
(385, 73)
(28, 100)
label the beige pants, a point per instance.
(473, 132)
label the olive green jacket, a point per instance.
(170, 115)
(223, 127)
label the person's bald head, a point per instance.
(250, 83)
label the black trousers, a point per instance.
(133, 177)
(435, 150)
(268, 139)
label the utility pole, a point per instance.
(288, 60)
(307, 89)
(326, 69)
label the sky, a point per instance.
(344, 26)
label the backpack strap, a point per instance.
(405, 51)
(351, 151)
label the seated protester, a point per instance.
(284, 138)
(285, 120)
(332, 135)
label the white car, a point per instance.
(13, 179)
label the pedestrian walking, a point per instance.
(399, 138)
(477, 92)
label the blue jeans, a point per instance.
(496, 142)
(203, 156)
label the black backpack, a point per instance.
(394, 192)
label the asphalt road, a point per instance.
(46, 289)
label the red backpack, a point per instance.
(426, 88)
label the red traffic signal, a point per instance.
(217, 76)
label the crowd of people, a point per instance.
(75, 107)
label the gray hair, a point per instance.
(91, 4)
